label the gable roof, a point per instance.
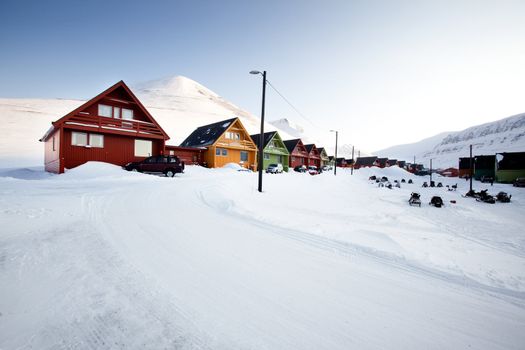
(365, 161)
(206, 135)
(99, 97)
(311, 146)
(381, 161)
(268, 136)
(291, 144)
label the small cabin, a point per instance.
(298, 153)
(365, 162)
(381, 162)
(464, 167)
(401, 164)
(314, 158)
(113, 127)
(510, 165)
(391, 162)
(224, 142)
(274, 149)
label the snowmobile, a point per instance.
(436, 201)
(484, 197)
(372, 178)
(432, 184)
(439, 184)
(425, 184)
(410, 181)
(403, 181)
(503, 197)
(397, 184)
(384, 179)
(388, 185)
(414, 199)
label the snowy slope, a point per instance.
(506, 135)
(99, 258)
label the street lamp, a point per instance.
(261, 136)
(335, 166)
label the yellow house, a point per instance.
(225, 142)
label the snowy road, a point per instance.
(204, 261)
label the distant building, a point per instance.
(510, 166)
(364, 162)
(298, 153)
(275, 151)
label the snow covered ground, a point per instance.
(100, 258)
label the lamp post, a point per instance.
(261, 136)
(335, 165)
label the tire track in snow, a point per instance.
(348, 249)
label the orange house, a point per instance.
(225, 142)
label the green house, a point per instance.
(275, 152)
(510, 166)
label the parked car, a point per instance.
(300, 169)
(167, 165)
(519, 182)
(312, 170)
(275, 169)
(326, 168)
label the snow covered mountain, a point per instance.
(505, 135)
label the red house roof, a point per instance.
(78, 117)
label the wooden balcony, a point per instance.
(115, 126)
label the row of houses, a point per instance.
(502, 167)
(115, 127)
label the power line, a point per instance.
(291, 105)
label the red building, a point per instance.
(189, 155)
(314, 157)
(298, 153)
(113, 127)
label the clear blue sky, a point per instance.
(382, 72)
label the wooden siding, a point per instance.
(52, 157)
(118, 150)
(187, 155)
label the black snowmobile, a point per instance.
(439, 184)
(425, 184)
(403, 181)
(503, 197)
(436, 201)
(410, 181)
(372, 178)
(484, 197)
(415, 199)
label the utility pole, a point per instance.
(335, 165)
(261, 138)
(353, 162)
(471, 170)
(430, 170)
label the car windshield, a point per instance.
(273, 165)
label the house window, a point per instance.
(224, 152)
(127, 114)
(96, 140)
(104, 111)
(172, 152)
(116, 112)
(280, 158)
(266, 156)
(78, 138)
(244, 156)
(233, 135)
(54, 149)
(221, 152)
(143, 148)
(217, 151)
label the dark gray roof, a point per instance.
(382, 161)
(267, 138)
(309, 147)
(207, 135)
(290, 144)
(365, 161)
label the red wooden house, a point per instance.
(188, 155)
(381, 162)
(298, 153)
(314, 157)
(113, 127)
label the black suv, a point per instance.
(167, 165)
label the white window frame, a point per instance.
(143, 143)
(96, 135)
(117, 112)
(73, 138)
(124, 111)
(100, 106)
